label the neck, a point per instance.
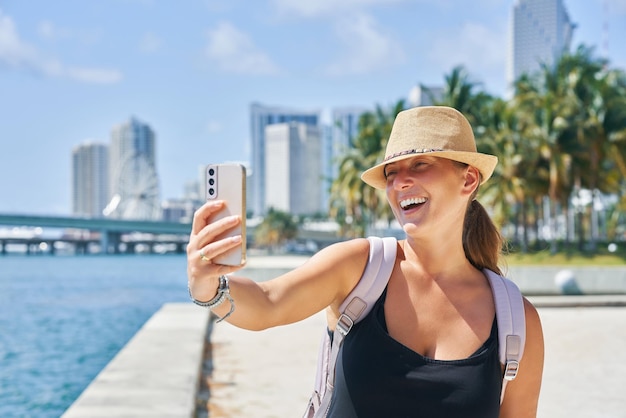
(437, 258)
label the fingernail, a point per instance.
(236, 238)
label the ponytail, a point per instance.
(482, 242)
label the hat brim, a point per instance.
(485, 164)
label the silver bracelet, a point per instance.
(223, 293)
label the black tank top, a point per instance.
(378, 377)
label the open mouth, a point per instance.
(411, 203)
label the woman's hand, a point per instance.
(203, 274)
(325, 279)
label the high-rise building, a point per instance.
(260, 117)
(134, 185)
(90, 179)
(540, 32)
(425, 96)
(337, 140)
(345, 127)
(293, 168)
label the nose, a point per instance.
(402, 180)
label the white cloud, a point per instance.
(480, 49)
(317, 8)
(365, 49)
(617, 6)
(19, 55)
(13, 52)
(50, 31)
(94, 75)
(213, 127)
(149, 43)
(233, 51)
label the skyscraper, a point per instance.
(540, 32)
(345, 127)
(293, 168)
(90, 179)
(425, 95)
(134, 185)
(260, 117)
(337, 140)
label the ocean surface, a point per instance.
(63, 318)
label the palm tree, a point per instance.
(460, 93)
(509, 193)
(354, 204)
(588, 109)
(276, 228)
(599, 115)
(545, 103)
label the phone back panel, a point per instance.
(229, 184)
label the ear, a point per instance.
(472, 179)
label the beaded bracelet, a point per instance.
(223, 293)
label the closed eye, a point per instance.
(388, 172)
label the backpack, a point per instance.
(509, 314)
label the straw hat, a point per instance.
(437, 131)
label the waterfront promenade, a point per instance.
(162, 371)
(271, 373)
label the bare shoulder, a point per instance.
(343, 249)
(344, 261)
(344, 257)
(534, 347)
(533, 321)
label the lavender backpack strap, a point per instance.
(511, 324)
(356, 306)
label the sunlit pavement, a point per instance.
(585, 371)
(271, 373)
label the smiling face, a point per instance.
(430, 194)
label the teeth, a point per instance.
(412, 201)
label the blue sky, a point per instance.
(71, 69)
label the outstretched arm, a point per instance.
(325, 279)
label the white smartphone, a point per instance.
(228, 182)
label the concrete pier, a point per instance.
(157, 374)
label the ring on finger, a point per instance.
(203, 257)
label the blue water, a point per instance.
(63, 318)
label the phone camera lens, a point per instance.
(211, 172)
(211, 192)
(211, 182)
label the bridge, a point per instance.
(113, 236)
(103, 231)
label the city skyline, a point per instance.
(71, 71)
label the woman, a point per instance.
(432, 334)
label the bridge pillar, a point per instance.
(3, 248)
(104, 241)
(110, 242)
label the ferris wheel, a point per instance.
(136, 190)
